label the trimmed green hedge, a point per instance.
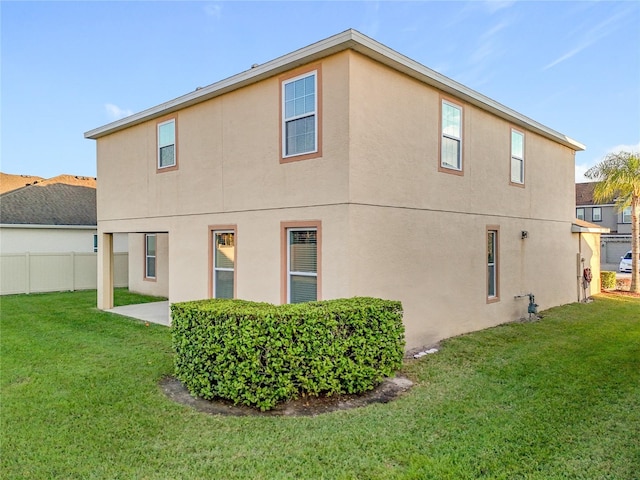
(258, 354)
(608, 280)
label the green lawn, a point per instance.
(557, 398)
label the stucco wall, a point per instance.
(392, 225)
(137, 282)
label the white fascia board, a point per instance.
(349, 39)
(580, 229)
(596, 205)
(48, 227)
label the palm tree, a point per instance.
(618, 177)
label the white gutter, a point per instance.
(350, 39)
(55, 227)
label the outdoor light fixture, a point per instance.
(524, 234)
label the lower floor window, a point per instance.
(492, 264)
(224, 263)
(302, 265)
(150, 256)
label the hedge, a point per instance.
(260, 355)
(608, 280)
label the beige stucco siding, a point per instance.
(228, 157)
(435, 263)
(137, 283)
(395, 153)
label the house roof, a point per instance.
(584, 193)
(580, 226)
(53, 204)
(349, 39)
(10, 182)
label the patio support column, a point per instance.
(105, 272)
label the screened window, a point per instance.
(580, 213)
(517, 157)
(451, 142)
(492, 264)
(302, 265)
(596, 214)
(299, 97)
(150, 256)
(224, 263)
(167, 144)
(626, 215)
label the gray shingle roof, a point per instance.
(56, 204)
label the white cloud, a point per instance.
(213, 10)
(115, 112)
(590, 37)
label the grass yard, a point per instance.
(558, 398)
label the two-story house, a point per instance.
(342, 169)
(618, 241)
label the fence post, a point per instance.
(27, 262)
(72, 257)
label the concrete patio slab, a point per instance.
(155, 312)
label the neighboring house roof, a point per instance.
(350, 39)
(10, 182)
(580, 226)
(55, 204)
(584, 195)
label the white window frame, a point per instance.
(517, 158)
(175, 146)
(580, 216)
(147, 256)
(291, 273)
(593, 214)
(495, 296)
(443, 135)
(285, 119)
(222, 269)
(626, 215)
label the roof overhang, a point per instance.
(349, 39)
(580, 226)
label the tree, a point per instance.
(618, 177)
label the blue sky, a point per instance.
(68, 67)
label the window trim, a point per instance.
(285, 227)
(213, 229)
(521, 159)
(146, 256)
(583, 212)
(626, 209)
(441, 167)
(283, 80)
(593, 211)
(159, 123)
(496, 263)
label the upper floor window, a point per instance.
(300, 115)
(626, 215)
(580, 213)
(517, 157)
(167, 144)
(451, 139)
(596, 214)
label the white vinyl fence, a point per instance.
(56, 272)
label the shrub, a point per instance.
(258, 354)
(608, 280)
